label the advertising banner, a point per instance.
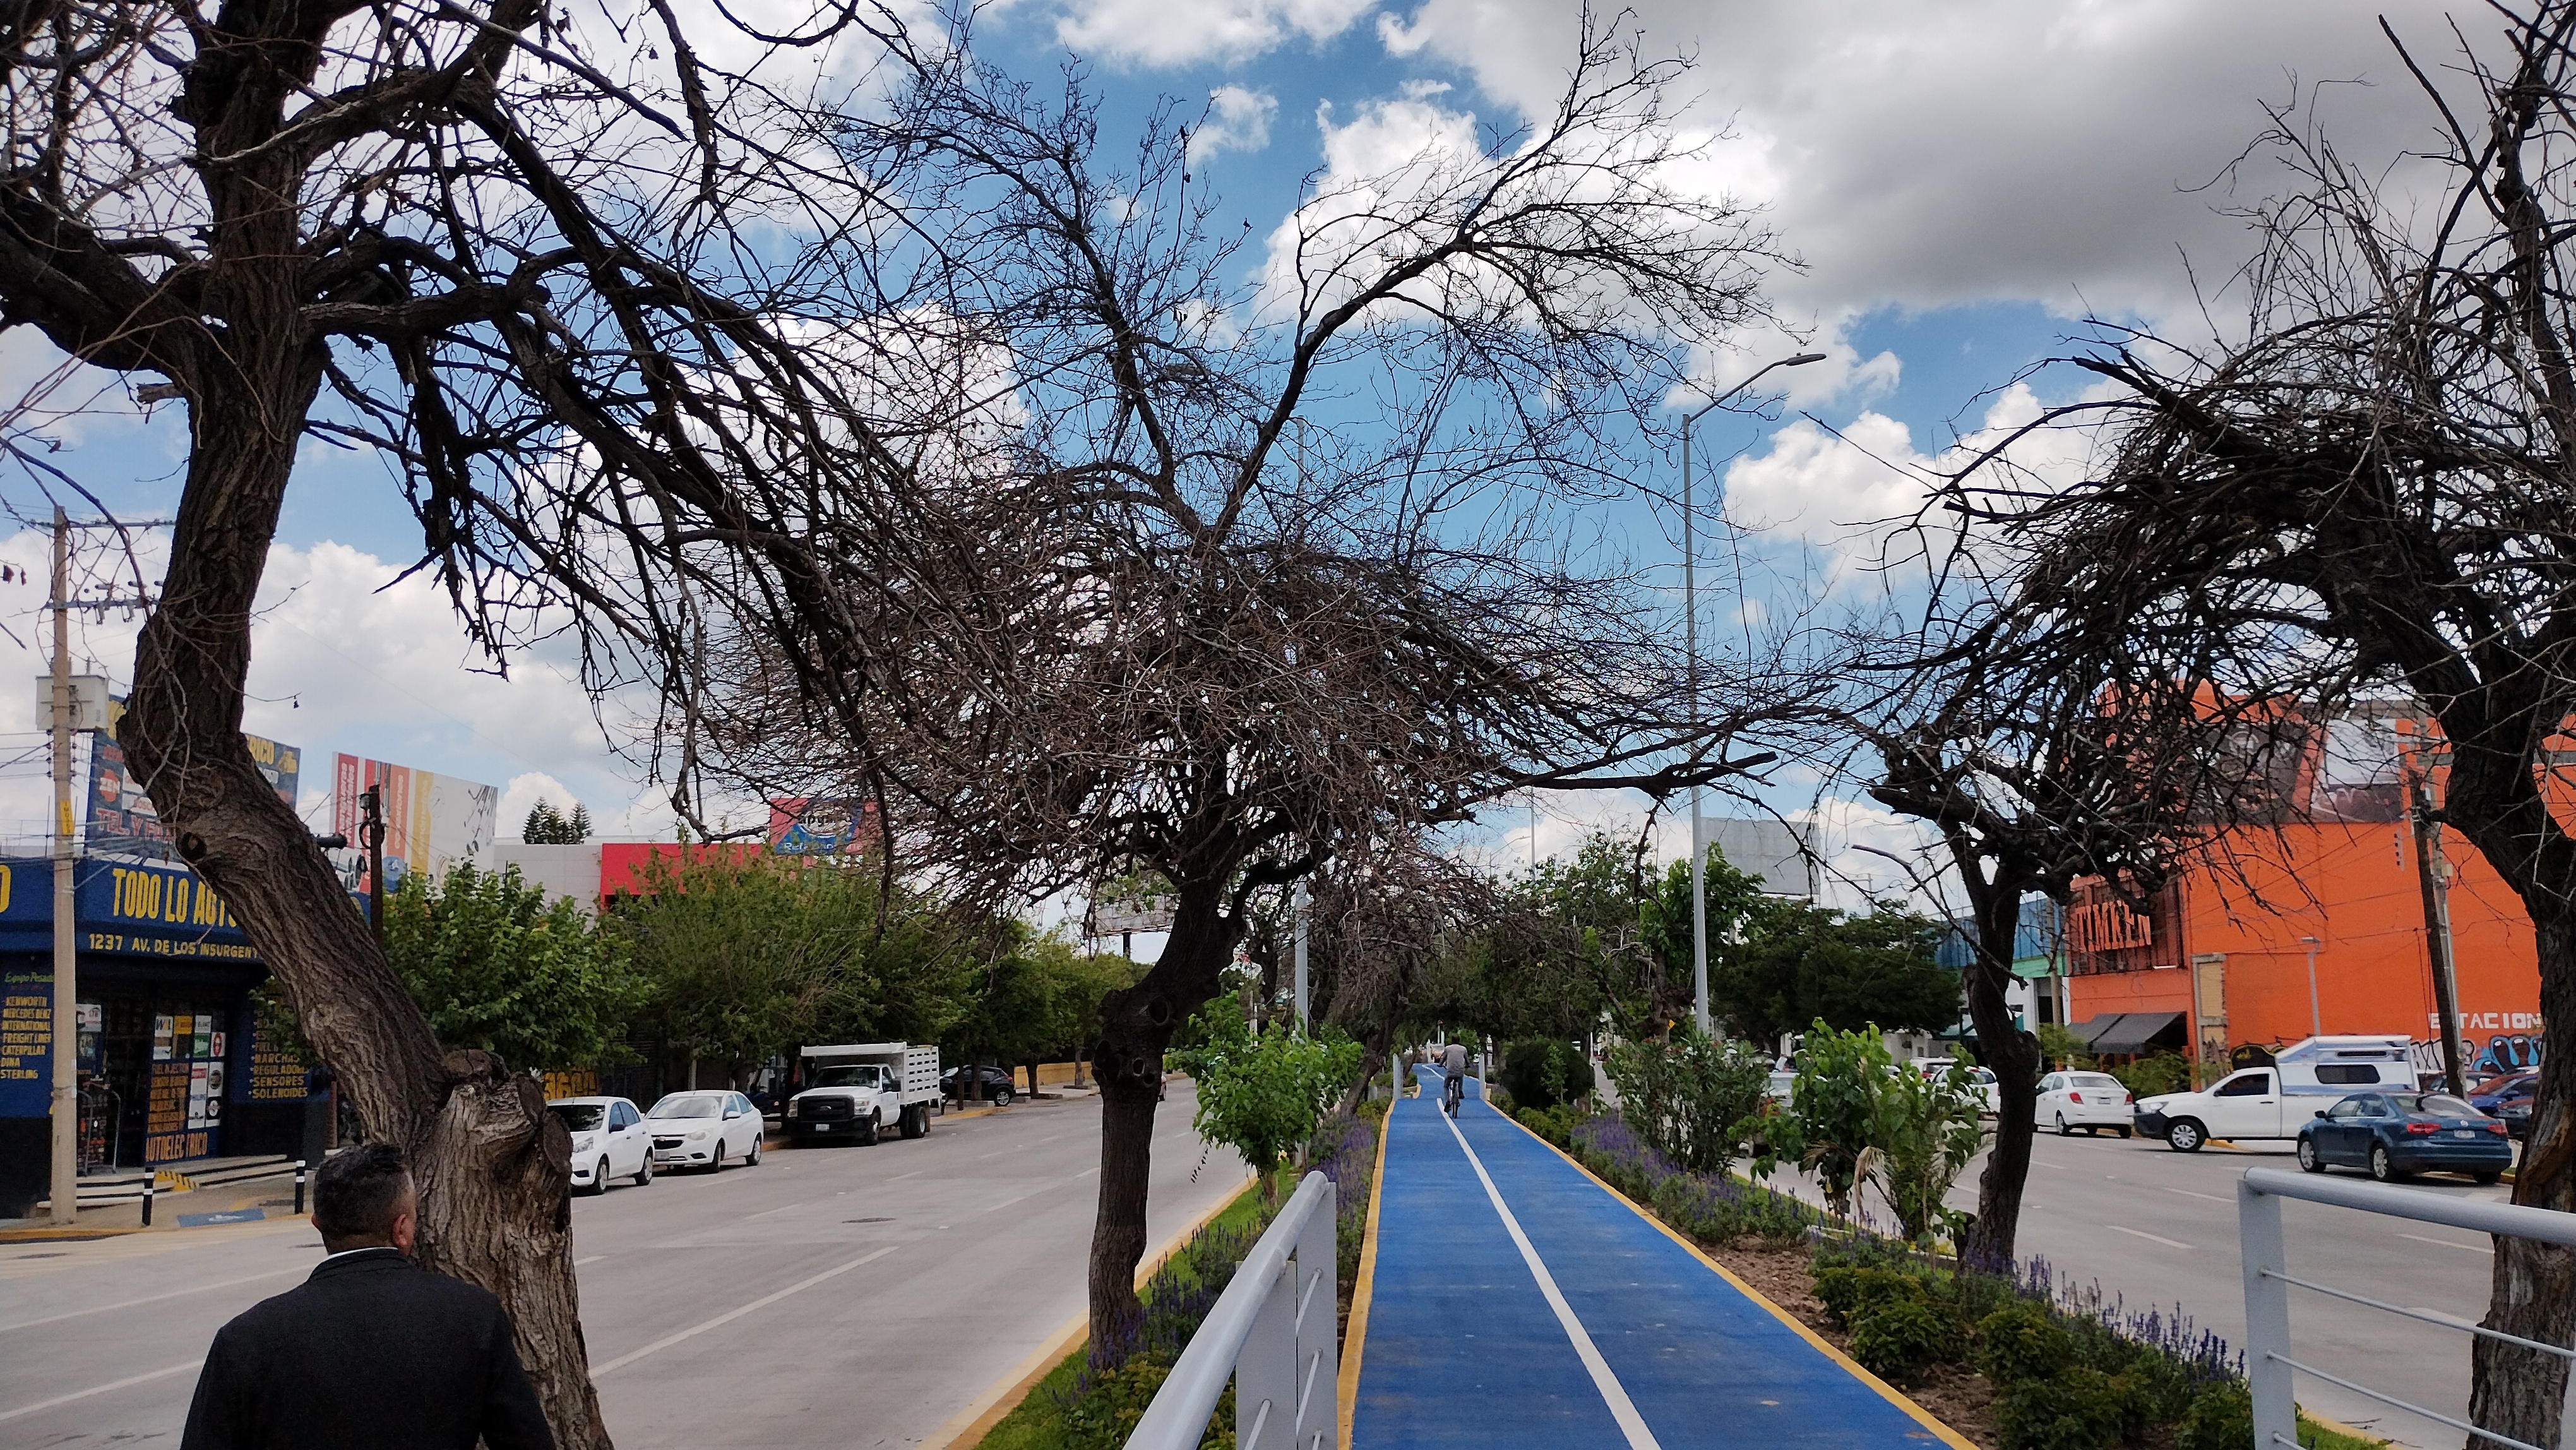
(431, 821)
(26, 1043)
(121, 819)
(134, 908)
(820, 825)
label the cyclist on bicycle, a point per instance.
(1453, 1066)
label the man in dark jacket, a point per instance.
(370, 1351)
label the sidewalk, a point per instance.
(1516, 1302)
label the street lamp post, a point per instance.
(2316, 1018)
(1690, 647)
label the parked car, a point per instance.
(2503, 1088)
(703, 1128)
(2088, 1100)
(2241, 1105)
(609, 1140)
(1981, 1082)
(997, 1084)
(2515, 1112)
(2396, 1135)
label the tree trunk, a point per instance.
(2515, 1391)
(492, 1202)
(1136, 1024)
(2013, 1056)
(1373, 1060)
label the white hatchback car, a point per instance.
(703, 1129)
(2088, 1100)
(609, 1140)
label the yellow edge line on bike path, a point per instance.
(1887, 1391)
(1355, 1338)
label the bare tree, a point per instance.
(1227, 575)
(1384, 915)
(569, 286)
(2368, 495)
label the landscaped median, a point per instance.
(2013, 1361)
(1094, 1395)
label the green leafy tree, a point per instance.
(752, 954)
(1262, 1095)
(1927, 1132)
(1833, 1115)
(1689, 1096)
(497, 966)
(1795, 963)
(547, 826)
(1034, 999)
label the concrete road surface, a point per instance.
(840, 1297)
(2156, 1228)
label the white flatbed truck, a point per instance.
(856, 1091)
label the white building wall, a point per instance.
(562, 870)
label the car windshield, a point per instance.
(690, 1105)
(846, 1075)
(2501, 1084)
(2439, 1105)
(580, 1117)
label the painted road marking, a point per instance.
(1622, 1409)
(2450, 1244)
(136, 1379)
(149, 1299)
(763, 1302)
(2190, 1193)
(2151, 1238)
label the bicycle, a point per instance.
(1453, 1093)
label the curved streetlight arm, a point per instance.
(1795, 360)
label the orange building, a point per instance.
(2221, 958)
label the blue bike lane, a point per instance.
(1517, 1302)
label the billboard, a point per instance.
(820, 825)
(121, 819)
(431, 821)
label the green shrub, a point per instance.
(2023, 1344)
(1544, 1072)
(1850, 1291)
(2154, 1074)
(1686, 1098)
(2081, 1409)
(1103, 1418)
(2222, 1418)
(1556, 1124)
(1898, 1337)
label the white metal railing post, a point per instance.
(1265, 1368)
(1273, 1333)
(2267, 1317)
(1318, 1327)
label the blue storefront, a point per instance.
(171, 1063)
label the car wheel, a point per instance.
(2383, 1167)
(644, 1172)
(1002, 1097)
(868, 1131)
(2185, 1136)
(752, 1158)
(2126, 1132)
(2063, 1130)
(599, 1178)
(2488, 1177)
(916, 1121)
(716, 1164)
(2309, 1158)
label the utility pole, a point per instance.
(2433, 873)
(2316, 1019)
(1303, 1020)
(66, 1055)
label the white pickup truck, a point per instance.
(855, 1091)
(2272, 1101)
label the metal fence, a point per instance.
(1274, 1333)
(2268, 1282)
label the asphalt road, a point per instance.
(836, 1297)
(2155, 1229)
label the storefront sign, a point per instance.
(276, 1074)
(121, 818)
(26, 1043)
(129, 908)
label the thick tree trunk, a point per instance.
(1136, 1024)
(492, 1198)
(1373, 1060)
(2514, 1391)
(2013, 1056)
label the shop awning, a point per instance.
(2127, 1034)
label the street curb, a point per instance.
(1890, 1393)
(2340, 1428)
(1355, 1335)
(968, 1427)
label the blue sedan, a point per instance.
(2396, 1135)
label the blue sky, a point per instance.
(1965, 182)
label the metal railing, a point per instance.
(1274, 1333)
(2268, 1282)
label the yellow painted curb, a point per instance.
(1355, 1338)
(968, 1427)
(2338, 1427)
(1889, 1392)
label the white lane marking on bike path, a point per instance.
(1622, 1409)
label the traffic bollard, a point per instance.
(299, 1185)
(147, 1201)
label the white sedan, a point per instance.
(2088, 1100)
(609, 1140)
(703, 1129)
